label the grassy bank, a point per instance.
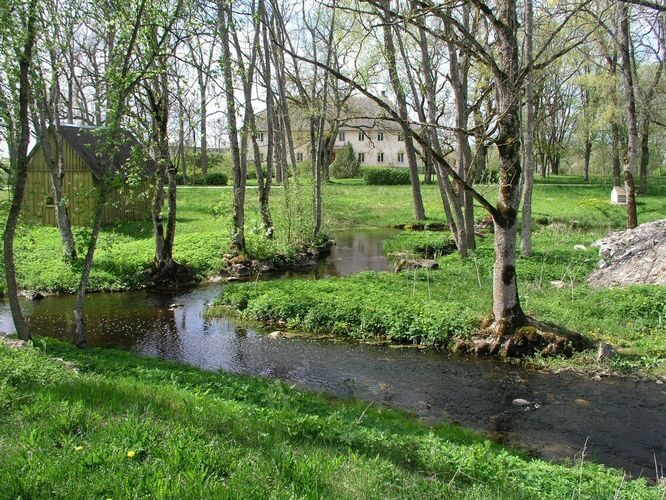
(108, 424)
(436, 307)
(125, 251)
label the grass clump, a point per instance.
(363, 305)
(121, 426)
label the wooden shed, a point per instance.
(85, 164)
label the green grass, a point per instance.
(67, 433)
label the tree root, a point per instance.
(533, 337)
(173, 275)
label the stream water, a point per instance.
(621, 422)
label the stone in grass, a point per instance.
(580, 247)
(606, 352)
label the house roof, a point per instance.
(358, 112)
(90, 144)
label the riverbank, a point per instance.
(441, 307)
(126, 426)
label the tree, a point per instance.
(18, 33)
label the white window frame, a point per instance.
(401, 137)
(361, 136)
(401, 157)
(361, 157)
(299, 156)
(380, 157)
(380, 136)
(341, 136)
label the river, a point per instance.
(621, 422)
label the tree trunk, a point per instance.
(20, 150)
(239, 174)
(389, 53)
(615, 153)
(80, 326)
(632, 156)
(203, 137)
(54, 159)
(507, 312)
(528, 171)
(587, 154)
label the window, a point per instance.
(299, 156)
(380, 136)
(400, 137)
(50, 202)
(260, 136)
(361, 136)
(361, 157)
(380, 157)
(261, 157)
(341, 137)
(401, 157)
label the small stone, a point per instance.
(601, 264)
(660, 382)
(521, 402)
(275, 335)
(605, 352)
(233, 278)
(596, 377)
(175, 306)
(558, 284)
(580, 247)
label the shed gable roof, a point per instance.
(90, 144)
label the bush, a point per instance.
(386, 176)
(212, 179)
(346, 165)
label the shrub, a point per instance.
(346, 165)
(386, 176)
(215, 179)
(212, 179)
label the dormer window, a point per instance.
(380, 136)
(361, 136)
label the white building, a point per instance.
(376, 140)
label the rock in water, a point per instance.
(521, 402)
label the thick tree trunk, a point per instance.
(80, 326)
(528, 171)
(507, 312)
(389, 54)
(632, 122)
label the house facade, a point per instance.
(377, 142)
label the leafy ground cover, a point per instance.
(109, 424)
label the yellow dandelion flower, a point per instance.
(131, 454)
(79, 448)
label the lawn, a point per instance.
(108, 424)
